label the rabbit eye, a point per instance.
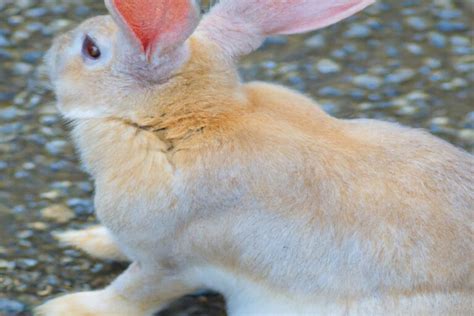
(90, 49)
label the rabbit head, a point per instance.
(152, 53)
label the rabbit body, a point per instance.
(274, 191)
(253, 191)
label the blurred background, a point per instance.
(410, 61)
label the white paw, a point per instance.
(66, 305)
(95, 241)
(95, 303)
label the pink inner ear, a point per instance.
(150, 20)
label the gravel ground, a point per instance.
(410, 61)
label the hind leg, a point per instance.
(96, 241)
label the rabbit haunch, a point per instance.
(250, 189)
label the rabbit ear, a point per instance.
(155, 25)
(240, 26)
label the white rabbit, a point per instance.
(249, 189)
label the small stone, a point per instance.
(56, 26)
(440, 121)
(25, 234)
(330, 108)
(368, 82)
(316, 41)
(330, 92)
(447, 14)
(34, 27)
(437, 39)
(416, 96)
(469, 120)
(51, 195)
(454, 84)
(82, 10)
(6, 265)
(81, 206)
(407, 110)
(327, 66)
(358, 31)
(432, 63)
(400, 76)
(32, 57)
(38, 226)
(58, 213)
(276, 41)
(56, 147)
(417, 23)
(36, 12)
(10, 113)
(47, 290)
(450, 26)
(49, 120)
(20, 35)
(6, 96)
(35, 100)
(27, 263)
(3, 41)
(22, 69)
(15, 20)
(467, 135)
(10, 307)
(413, 48)
(460, 41)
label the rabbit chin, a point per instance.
(83, 112)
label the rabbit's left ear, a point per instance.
(155, 25)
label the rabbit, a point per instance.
(250, 189)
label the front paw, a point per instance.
(95, 303)
(65, 305)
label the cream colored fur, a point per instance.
(253, 191)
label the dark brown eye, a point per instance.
(90, 49)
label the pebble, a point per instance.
(461, 41)
(450, 26)
(7, 265)
(56, 147)
(413, 48)
(276, 41)
(50, 195)
(469, 120)
(368, 82)
(358, 31)
(10, 113)
(3, 41)
(400, 76)
(21, 69)
(315, 41)
(10, 307)
(467, 135)
(81, 206)
(58, 213)
(32, 57)
(26, 263)
(36, 12)
(330, 92)
(437, 39)
(417, 23)
(15, 20)
(454, 84)
(327, 66)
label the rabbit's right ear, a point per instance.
(154, 26)
(240, 26)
